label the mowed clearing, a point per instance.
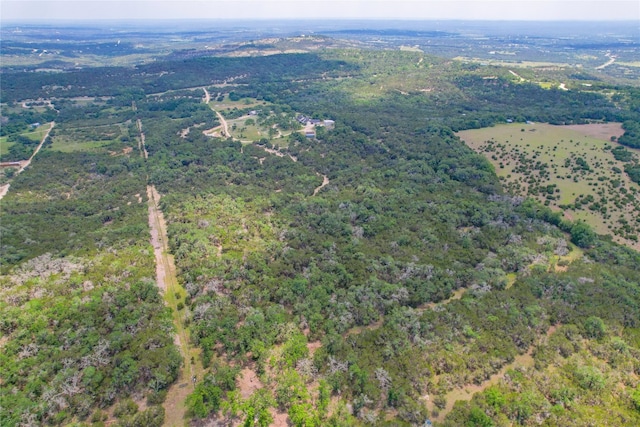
(568, 168)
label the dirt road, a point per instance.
(225, 132)
(167, 281)
(142, 146)
(467, 391)
(3, 190)
(517, 75)
(24, 163)
(225, 127)
(612, 59)
(173, 293)
(44, 138)
(325, 182)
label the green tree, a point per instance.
(204, 400)
(595, 327)
(477, 418)
(635, 398)
(582, 235)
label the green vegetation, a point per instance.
(368, 276)
(631, 137)
(82, 324)
(566, 170)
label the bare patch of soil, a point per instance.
(4, 189)
(359, 329)
(280, 419)
(599, 130)
(325, 182)
(155, 224)
(248, 382)
(313, 346)
(456, 295)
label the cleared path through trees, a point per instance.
(173, 293)
(467, 391)
(174, 404)
(325, 182)
(612, 59)
(225, 127)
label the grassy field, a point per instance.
(247, 132)
(252, 127)
(4, 146)
(227, 104)
(514, 63)
(567, 168)
(67, 145)
(90, 139)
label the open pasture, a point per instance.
(111, 137)
(4, 146)
(568, 168)
(246, 129)
(220, 101)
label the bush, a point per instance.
(157, 397)
(477, 418)
(595, 327)
(204, 400)
(589, 377)
(635, 399)
(124, 408)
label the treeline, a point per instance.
(166, 75)
(15, 122)
(631, 136)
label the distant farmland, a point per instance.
(568, 168)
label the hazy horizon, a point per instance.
(267, 10)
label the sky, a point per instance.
(530, 10)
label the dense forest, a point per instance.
(369, 275)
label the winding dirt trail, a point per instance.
(223, 122)
(467, 392)
(225, 132)
(325, 182)
(612, 59)
(225, 126)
